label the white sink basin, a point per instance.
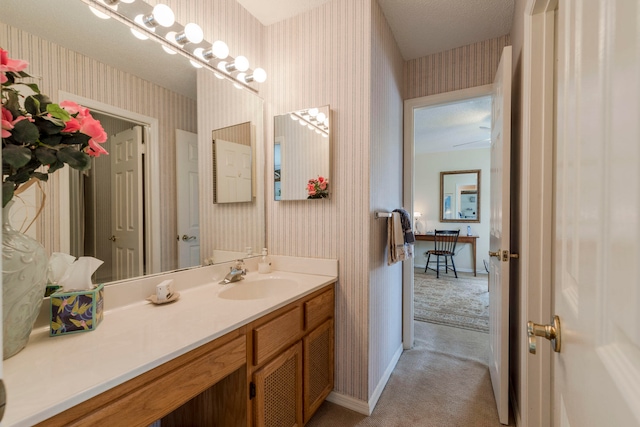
(258, 289)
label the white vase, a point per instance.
(24, 279)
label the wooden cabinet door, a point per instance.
(318, 367)
(278, 400)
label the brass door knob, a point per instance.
(112, 238)
(188, 238)
(495, 254)
(550, 332)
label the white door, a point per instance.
(596, 377)
(126, 203)
(188, 211)
(233, 172)
(499, 235)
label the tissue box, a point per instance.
(76, 311)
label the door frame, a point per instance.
(535, 222)
(410, 105)
(152, 188)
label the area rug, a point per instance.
(461, 303)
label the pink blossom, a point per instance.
(73, 108)
(323, 185)
(71, 126)
(320, 179)
(8, 64)
(93, 128)
(95, 149)
(7, 118)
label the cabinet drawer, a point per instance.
(319, 309)
(274, 335)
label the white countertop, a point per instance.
(53, 374)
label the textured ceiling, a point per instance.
(421, 27)
(461, 125)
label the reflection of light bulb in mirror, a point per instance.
(326, 122)
(169, 50)
(310, 127)
(318, 131)
(100, 14)
(321, 117)
(242, 77)
(302, 123)
(237, 86)
(325, 135)
(139, 20)
(293, 117)
(222, 66)
(195, 64)
(313, 112)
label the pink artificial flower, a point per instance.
(72, 126)
(73, 108)
(7, 118)
(8, 64)
(323, 185)
(320, 179)
(93, 128)
(95, 149)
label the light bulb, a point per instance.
(313, 112)
(222, 66)
(242, 63)
(220, 49)
(199, 52)
(192, 33)
(169, 50)
(162, 15)
(139, 19)
(321, 116)
(259, 75)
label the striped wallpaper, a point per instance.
(65, 70)
(386, 184)
(322, 57)
(459, 68)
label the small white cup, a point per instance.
(164, 291)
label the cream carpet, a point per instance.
(442, 382)
(461, 303)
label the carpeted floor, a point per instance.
(461, 303)
(442, 382)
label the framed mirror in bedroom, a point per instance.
(460, 196)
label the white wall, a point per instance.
(427, 202)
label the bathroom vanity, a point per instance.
(214, 357)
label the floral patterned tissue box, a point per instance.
(77, 311)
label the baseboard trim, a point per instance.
(463, 269)
(360, 406)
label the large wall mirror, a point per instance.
(460, 196)
(70, 56)
(302, 154)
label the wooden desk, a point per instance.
(462, 238)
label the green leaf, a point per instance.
(13, 103)
(50, 140)
(32, 105)
(74, 158)
(8, 188)
(16, 156)
(49, 125)
(78, 138)
(33, 87)
(25, 132)
(58, 112)
(55, 166)
(46, 155)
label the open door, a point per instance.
(188, 208)
(126, 204)
(596, 374)
(499, 235)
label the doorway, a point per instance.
(426, 158)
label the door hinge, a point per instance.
(252, 390)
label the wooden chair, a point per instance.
(445, 246)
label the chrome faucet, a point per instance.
(237, 273)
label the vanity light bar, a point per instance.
(312, 122)
(223, 67)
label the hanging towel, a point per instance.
(406, 226)
(398, 249)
